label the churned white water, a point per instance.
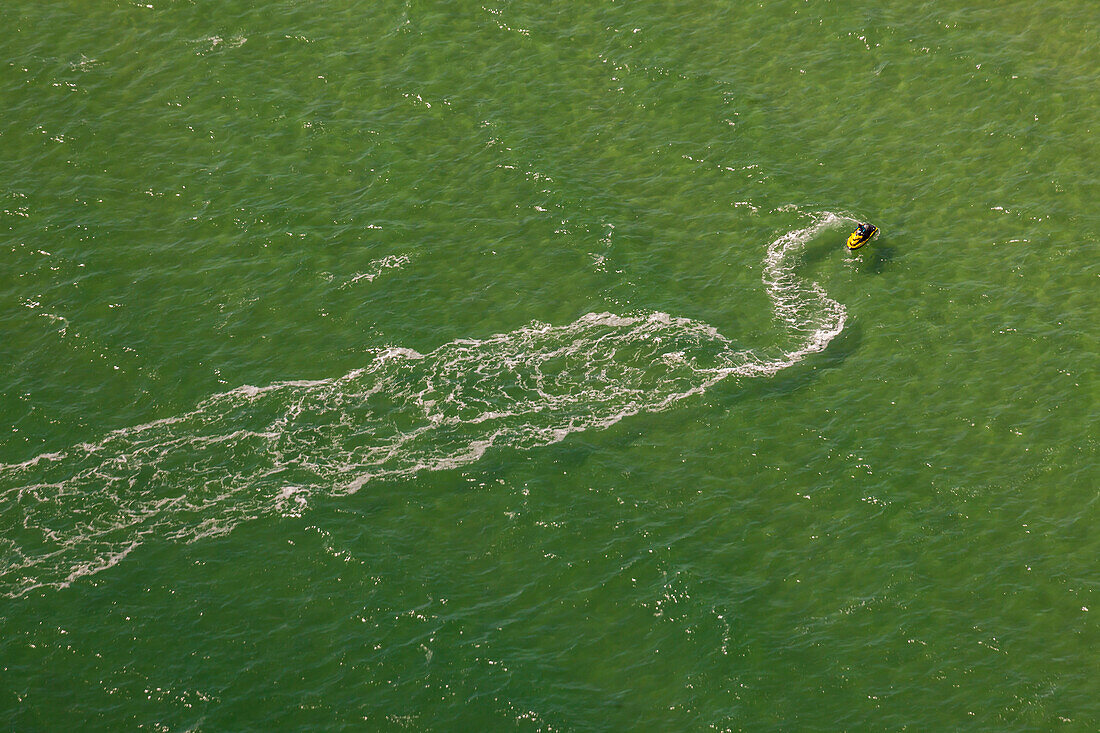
(259, 450)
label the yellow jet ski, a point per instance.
(861, 236)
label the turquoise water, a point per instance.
(454, 367)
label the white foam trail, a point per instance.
(257, 451)
(376, 267)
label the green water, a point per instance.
(440, 366)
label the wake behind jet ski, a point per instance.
(861, 236)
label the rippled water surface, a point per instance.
(443, 366)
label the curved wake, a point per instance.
(251, 450)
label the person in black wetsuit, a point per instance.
(865, 230)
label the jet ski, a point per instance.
(861, 236)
